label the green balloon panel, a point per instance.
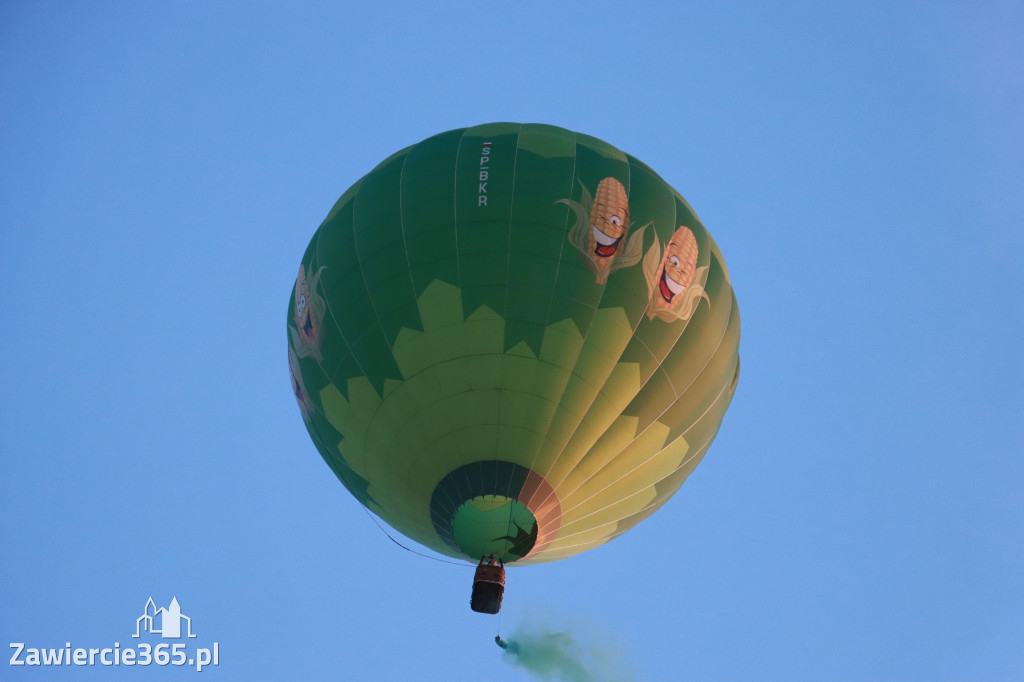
(512, 320)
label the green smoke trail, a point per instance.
(549, 654)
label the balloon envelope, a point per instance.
(512, 339)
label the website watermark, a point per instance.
(166, 622)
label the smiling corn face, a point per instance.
(678, 265)
(609, 221)
(304, 322)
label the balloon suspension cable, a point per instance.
(508, 529)
(425, 556)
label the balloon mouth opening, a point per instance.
(495, 507)
(494, 524)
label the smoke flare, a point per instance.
(549, 654)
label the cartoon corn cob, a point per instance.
(609, 221)
(677, 267)
(308, 315)
(304, 320)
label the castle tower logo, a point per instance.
(168, 620)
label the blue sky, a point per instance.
(861, 514)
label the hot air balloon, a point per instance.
(512, 343)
